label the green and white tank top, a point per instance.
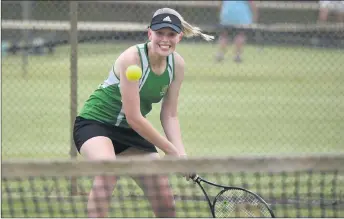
(105, 103)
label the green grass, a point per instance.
(280, 100)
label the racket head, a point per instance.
(239, 202)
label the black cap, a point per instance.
(166, 20)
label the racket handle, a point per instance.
(194, 176)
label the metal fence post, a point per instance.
(73, 36)
(26, 15)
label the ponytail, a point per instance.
(188, 29)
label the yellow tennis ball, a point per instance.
(133, 73)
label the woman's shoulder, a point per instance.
(178, 60)
(130, 55)
(130, 51)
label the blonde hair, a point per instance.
(188, 29)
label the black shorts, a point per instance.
(122, 138)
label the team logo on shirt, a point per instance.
(163, 90)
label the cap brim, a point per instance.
(166, 25)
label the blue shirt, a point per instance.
(235, 12)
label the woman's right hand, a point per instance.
(171, 150)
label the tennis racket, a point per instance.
(234, 201)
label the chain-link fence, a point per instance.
(286, 96)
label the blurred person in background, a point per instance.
(233, 13)
(331, 6)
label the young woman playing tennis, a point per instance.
(112, 121)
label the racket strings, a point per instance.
(239, 203)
